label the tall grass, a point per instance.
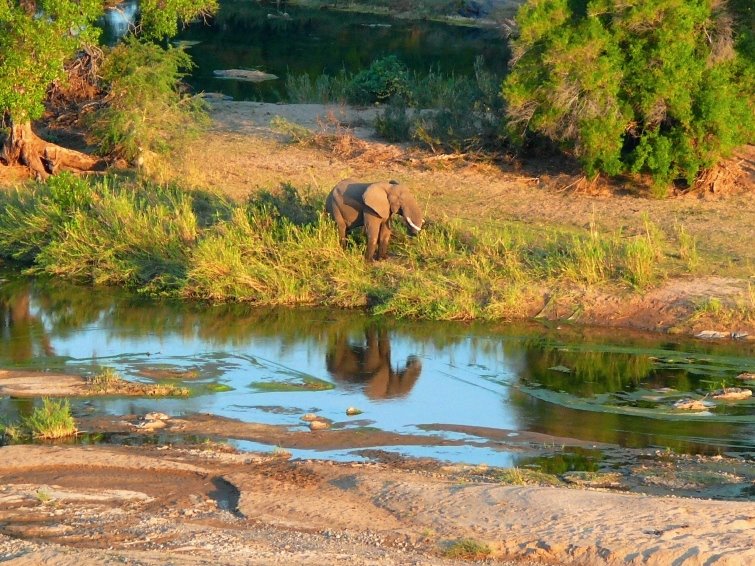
(52, 420)
(281, 249)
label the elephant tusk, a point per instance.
(412, 224)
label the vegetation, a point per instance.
(280, 249)
(433, 109)
(52, 420)
(105, 380)
(656, 86)
(146, 113)
(467, 549)
(37, 38)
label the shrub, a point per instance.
(650, 86)
(52, 420)
(386, 78)
(147, 112)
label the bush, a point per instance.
(651, 86)
(386, 78)
(146, 113)
(52, 420)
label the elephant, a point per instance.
(352, 204)
(370, 363)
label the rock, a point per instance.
(156, 417)
(746, 376)
(351, 411)
(214, 96)
(711, 335)
(309, 417)
(319, 425)
(151, 425)
(562, 369)
(687, 404)
(732, 394)
(251, 75)
(739, 335)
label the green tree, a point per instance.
(37, 37)
(657, 86)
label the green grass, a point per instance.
(467, 549)
(107, 379)
(52, 420)
(280, 249)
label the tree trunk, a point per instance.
(24, 147)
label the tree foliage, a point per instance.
(38, 36)
(145, 111)
(658, 86)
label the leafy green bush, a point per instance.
(386, 78)
(146, 112)
(650, 86)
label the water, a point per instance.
(253, 35)
(437, 379)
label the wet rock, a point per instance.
(351, 411)
(250, 75)
(739, 335)
(215, 96)
(732, 394)
(309, 417)
(562, 369)
(687, 404)
(711, 335)
(319, 425)
(156, 417)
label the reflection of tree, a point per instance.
(23, 334)
(370, 364)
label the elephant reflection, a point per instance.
(370, 364)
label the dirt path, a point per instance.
(100, 505)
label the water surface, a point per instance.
(272, 366)
(256, 35)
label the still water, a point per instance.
(406, 377)
(295, 40)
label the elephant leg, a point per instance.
(383, 239)
(372, 228)
(340, 223)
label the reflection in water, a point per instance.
(369, 364)
(504, 377)
(23, 334)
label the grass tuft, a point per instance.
(52, 420)
(467, 549)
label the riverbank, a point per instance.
(703, 261)
(168, 505)
(505, 239)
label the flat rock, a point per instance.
(732, 394)
(251, 75)
(711, 335)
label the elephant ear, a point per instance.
(376, 197)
